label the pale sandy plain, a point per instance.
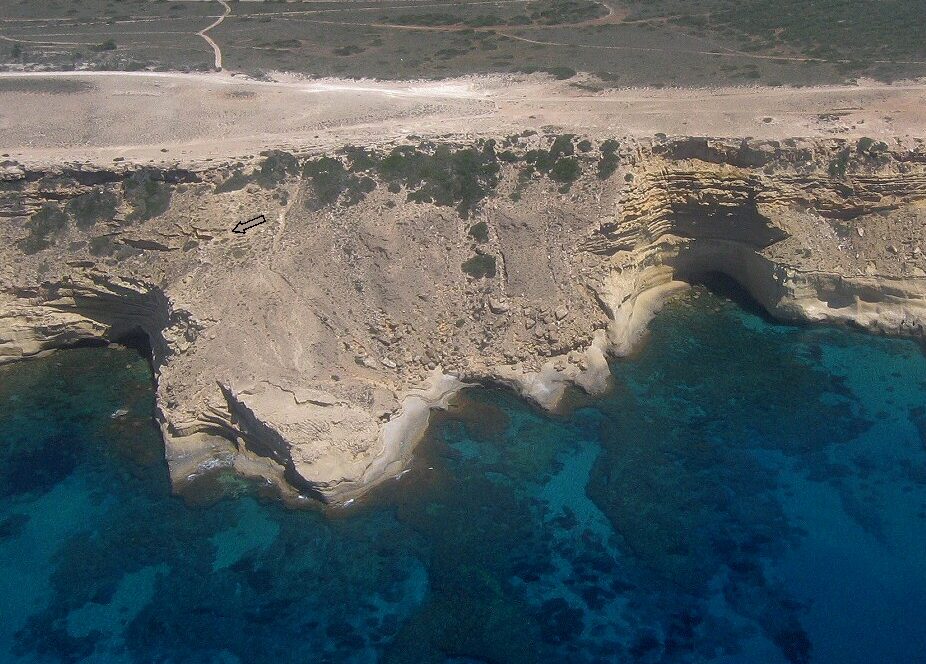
(324, 338)
(190, 118)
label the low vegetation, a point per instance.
(855, 35)
(276, 167)
(48, 221)
(438, 173)
(839, 164)
(350, 49)
(845, 38)
(444, 176)
(108, 45)
(558, 162)
(93, 207)
(609, 160)
(557, 12)
(333, 183)
(479, 266)
(479, 232)
(559, 72)
(148, 195)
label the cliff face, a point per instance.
(808, 245)
(310, 350)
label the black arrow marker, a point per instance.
(243, 227)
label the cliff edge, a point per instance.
(309, 348)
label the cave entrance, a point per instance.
(726, 286)
(139, 341)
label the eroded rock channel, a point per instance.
(310, 350)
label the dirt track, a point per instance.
(188, 118)
(210, 41)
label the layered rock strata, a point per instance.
(310, 350)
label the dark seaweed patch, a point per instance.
(37, 466)
(498, 546)
(13, 525)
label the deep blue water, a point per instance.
(749, 492)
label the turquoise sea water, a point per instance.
(749, 492)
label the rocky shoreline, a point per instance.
(310, 351)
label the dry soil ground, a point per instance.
(187, 118)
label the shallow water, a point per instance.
(749, 492)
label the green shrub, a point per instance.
(538, 160)
(332, 183)
(148, 195)
(94, 206)
(102, 246)
(562, 147)
(864, 144)
(446, 176)
(565, 170)
(557, 163)
(869, 147)
(609, 160)
(276, 167)
(479, 232)
(479, 266)
(359, 159)
(48, 220)
(840, 164)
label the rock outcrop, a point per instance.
(310, 350)
(796, 242)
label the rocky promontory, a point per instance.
(310, 349)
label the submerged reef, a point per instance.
(706, 509)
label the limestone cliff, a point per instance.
(310, 350)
